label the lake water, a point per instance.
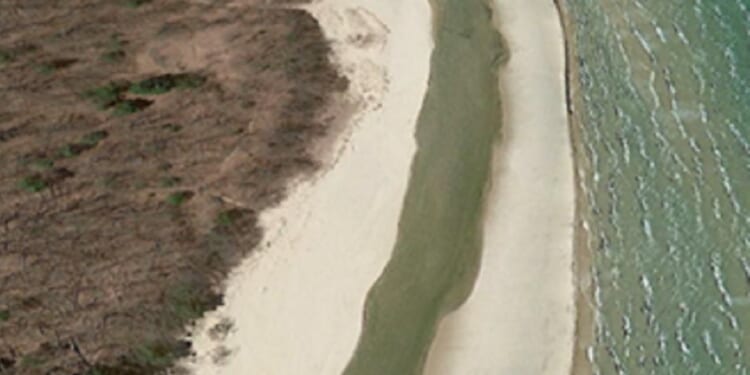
(666, 130)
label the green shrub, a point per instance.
(46, 68)
(4, 315)
(113, 56)
(37, 163)
(166, 83)
(5, 57)
(130, 106)
(125, 108)
(108, 181)
(172, 127)
(135, 3)
(154, 355)
(93, 138)
(224, 219)
(114, 50)
(31, 361)
(50, 67)
(189, 81)
(178, 198)
(43, 164)
(168, 182)
(227, 218)
(105, 96)
(111, 96)
(32, 184)
(153, 86)
(69, 151)
(189, 300)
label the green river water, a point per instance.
(438, 249)
(665, 88)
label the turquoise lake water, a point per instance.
(666, 86)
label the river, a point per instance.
(438, 249)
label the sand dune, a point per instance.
(296, 305)
(520, 317)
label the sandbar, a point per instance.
(520, 318)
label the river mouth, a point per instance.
(438, 249)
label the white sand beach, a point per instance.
(520, 317)
(296, 304)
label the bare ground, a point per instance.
(138, 142)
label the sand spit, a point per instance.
(295, 307)
(521, 315)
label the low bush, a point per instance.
(30, 361)
(130, 106)
(45, 68)
(92, 139)
(168, 182)
(115, 50)
(113, 56)
(5, 57)
(189, 300)
(166, 83)
(38, 163)
(135, 3)
(178, 198)
(32, 184)
(228, 218)
(172, 127)
(105, 96)
(70, 151)
(50, 67)
(158, 354)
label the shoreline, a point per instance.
(585, 331)
(295, 306)
(528, 255)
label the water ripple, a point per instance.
(665, 87)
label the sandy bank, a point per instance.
(296, 305)
(585, 305)
(520, 317)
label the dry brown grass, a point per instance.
(118, 222)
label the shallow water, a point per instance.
(438, 248)
(666, 92)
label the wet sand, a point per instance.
(520, 318)
(584, 334)
(296, 305)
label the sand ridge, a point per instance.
(520, 317)
(296, 306)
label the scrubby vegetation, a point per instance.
(32, 184)
(106, 96)
(166, 83)
(5, 57)
(131, 177)
(178, 198)
(135, 3)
